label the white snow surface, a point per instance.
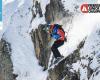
(17, 17)
(43, 4)
(81, 27)
(92, 50)
(1, 25)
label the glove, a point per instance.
(49, 38)
(53, 39)
(55, 36)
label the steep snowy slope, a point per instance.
(91, 54)
(81, 25)
(17, 17)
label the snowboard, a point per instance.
(56, 62)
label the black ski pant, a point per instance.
(55, 46)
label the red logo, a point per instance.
(84, 8)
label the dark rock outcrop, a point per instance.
(6, 67)
(63, 69)
(54, 11)
(38, 9)
(40, 40)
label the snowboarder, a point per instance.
(56, 31)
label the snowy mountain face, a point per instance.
(31, 57)
(90, 54)
(17, 20)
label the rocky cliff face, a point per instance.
(6, 67)
(40, 37)
(40, 40)
(54, 11)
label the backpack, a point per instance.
(56, 27)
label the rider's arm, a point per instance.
(55, 36)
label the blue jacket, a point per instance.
(54, 32)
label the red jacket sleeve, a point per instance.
(61, 33)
